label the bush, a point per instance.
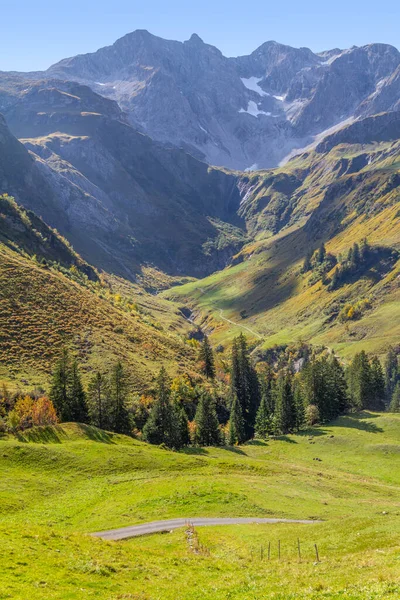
(312, 415)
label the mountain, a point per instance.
(345, 191)
(120, 198)
(244, 112)
(50, 297)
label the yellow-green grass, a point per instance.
(42, 310)
(282, 306)
(59, 484)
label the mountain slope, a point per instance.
(49, 297)
(120, 198)
(236, 112)
(338, 195)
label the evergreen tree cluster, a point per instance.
(366, 383)
(289, 390)
(105, 403)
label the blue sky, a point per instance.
(35, 34)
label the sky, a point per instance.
(38, 33)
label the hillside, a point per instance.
(49, 297)
(338, 194)
(59, 484)
(120, 198)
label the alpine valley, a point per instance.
(164, 162)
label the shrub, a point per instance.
(312, 415)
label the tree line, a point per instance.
(276, 396)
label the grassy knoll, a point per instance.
(58, 484)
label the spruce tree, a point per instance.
(207, 358)
(183, 426)
(359, 377)
(236, 434)
(119, 390)
(164, 423)
(60, 387)
(98, 403)
(263, 424)
(321, 254)
(392, 373)
(245, 384)
(299, 406)
(77, 397)
(395, 401)
(307, 262)
(285, 411)
(377, 393)
(207, 426)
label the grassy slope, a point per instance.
(76, 479)
(41, 309)
(328, 206)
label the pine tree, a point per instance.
(77, 397)
(119, 389)
(285, 411)
(395, 401)
(207, 426)
(392, 373)
(359, 377)
(60, 386)
(184, 436)
(338, 387)
(377, 393)
(307, 262)
(321, 254)
(263, 424)
(300, 409)
(207, 358)
(98, 401)
(236, 434)
(164, 423)
(356, 260)
(245, 384)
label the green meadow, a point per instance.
(59, 484)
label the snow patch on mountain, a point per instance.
(253, 110)
(252, 84)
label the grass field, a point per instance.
(59, 484)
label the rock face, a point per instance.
(243, 112)
(120, 198)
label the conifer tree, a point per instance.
(264, 419)
(119, 390)
(184, 435)
(300, 409)
(163, 424)
(338, 387)
(377, 392)
(60, 387)
(77, 397)
(285, 411)
(395, 401)
(321, 254)
(98, 404)
(236, 434)
(207, 426)
(245, 384)
(207, 359)
(359, 376)
(307, 262)
(392, 373)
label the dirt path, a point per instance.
(239, 325)
(169, 525)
